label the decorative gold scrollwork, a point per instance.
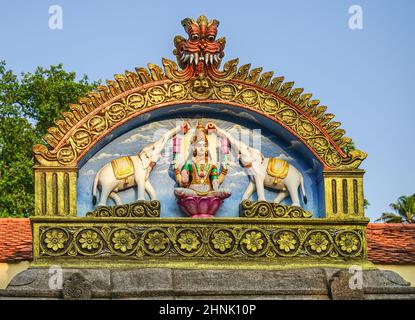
(315, 133)
(320, 144)
(306, 129)
(136, 101)
(177, 91)
(116, 112)
(225, 92)
(270, 105)
(97, 125)
(156, 95)
(137, 209)
(66, 155)
(249, 96)
(288, 116)
(81, 138)
(264, 209)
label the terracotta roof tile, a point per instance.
(391, 243)
(15, 239)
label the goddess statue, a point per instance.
(199, 193)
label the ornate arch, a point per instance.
(195, 79)
(135, 93)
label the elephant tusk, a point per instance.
(247, 166)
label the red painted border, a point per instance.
(159, 106)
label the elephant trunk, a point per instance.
(234, 143)
(169, 135)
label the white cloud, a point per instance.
(191, 108)
(294, 144)
(240, 173)
(104, 156)
(134, 138)
(153, 125)
(145, 116)
(90, 172)
(283, 156)
(231, 186)
(163, 171)
(316, 165)
(248, 116)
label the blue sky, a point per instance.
(365, 77)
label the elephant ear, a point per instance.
(145, 160)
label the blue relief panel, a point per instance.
(258, 131)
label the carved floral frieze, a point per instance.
(137, 241)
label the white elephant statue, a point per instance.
(273, 173)
(130, 171)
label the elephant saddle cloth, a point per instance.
(278, 169)
(122, 167)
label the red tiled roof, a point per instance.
(15, 239)
(391, 243)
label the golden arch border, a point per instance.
(136, 93)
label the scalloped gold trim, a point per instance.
(133, 93)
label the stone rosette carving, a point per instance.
(55, 241)
(287, 242)
(89, 241)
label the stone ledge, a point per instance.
(164, 283)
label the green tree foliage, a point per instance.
(405, 211)
(28, 106)
(349, 147)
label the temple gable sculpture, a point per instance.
(178, 183)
